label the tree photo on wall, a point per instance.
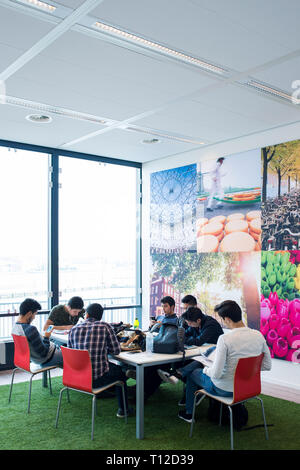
(281, 196)
(212, 278)
(282, 160)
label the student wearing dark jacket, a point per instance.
(201, 328)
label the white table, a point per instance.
(142, 360)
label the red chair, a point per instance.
(246, 385)
(22, 362)
(78, 375)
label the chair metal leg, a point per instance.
(59, 403)
(68, 395)
(11, 384)
(264, 418)
(220, 418)
(193, 413)
(50, 385)
(231, 427)
(29, 397)
(93, 415)
(193, 417)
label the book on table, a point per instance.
(207, 358)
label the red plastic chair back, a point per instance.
(77, 370)
(22, 352)
(247, 382)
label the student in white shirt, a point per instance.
(241, 341)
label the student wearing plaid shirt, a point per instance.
(100, 340)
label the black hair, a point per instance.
(95, 311)
(229, 309)
(193, 314)
(221, 159)
(76, 303)
(29, 305)
(168, 300)
(190, 300)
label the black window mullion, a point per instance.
(53, 279)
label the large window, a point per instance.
(98, 232)
(24, 228)
(70, 225)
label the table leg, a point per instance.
(45, 379)
(139, 401)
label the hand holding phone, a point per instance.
(49, 330)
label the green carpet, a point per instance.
(163, 429)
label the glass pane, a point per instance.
(24, 228)
(98, 229)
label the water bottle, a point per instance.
(149, 342)
(136, 324)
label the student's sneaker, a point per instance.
(121, 414)
(209, 209)
(185, 416)
(166, 377)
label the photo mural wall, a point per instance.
(230, 229)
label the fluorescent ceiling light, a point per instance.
(45, 109)
(272, 91)
(37, 4)
(154, 46)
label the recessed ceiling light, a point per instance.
(154, 46)
(150, 141)
(37, 4)
(39, 118)
(164, 135)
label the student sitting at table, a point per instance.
(240, 342)
(200, 329)
(64, 317)
(42, 351)
(100, 340)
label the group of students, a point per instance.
(99, 338)
(238, 341)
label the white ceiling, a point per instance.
(48, 59)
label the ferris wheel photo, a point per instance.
(173, 209)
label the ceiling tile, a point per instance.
(277, 21)
(70, 3)
(250, 103)
(21, 31)
(204, 121)
(128, 146)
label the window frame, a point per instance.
(53, 216)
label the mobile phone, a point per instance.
(50, 328)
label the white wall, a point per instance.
(275, 136)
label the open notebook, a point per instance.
(207, 358)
